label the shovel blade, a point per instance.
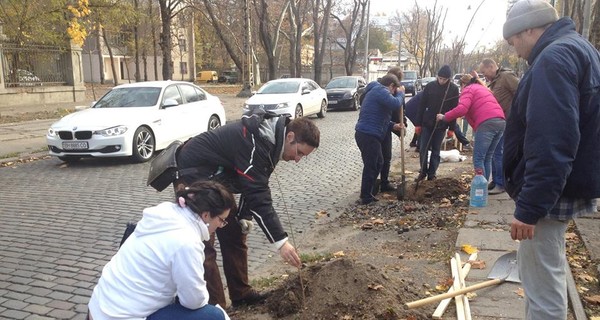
(505, 268)
(401, 189)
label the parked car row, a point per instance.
(137, 120)
(210, 76)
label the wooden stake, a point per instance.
(461, 278)
(439, 311)
(460, 307)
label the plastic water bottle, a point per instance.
(479, 190)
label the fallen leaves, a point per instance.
(375, 287)
(595, 299)
(520, 292)
(469, 249)
(477, 264)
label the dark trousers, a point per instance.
(234, 252)
(460, 136)
(386, 151)
(430, 140)
(372, 157)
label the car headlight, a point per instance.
(282, 105)
(246, 107)
(114, 131)
(52, 133)
(347, 95)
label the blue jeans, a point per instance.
(386, 151)
(487, 136)
(497, 174)
(177, 311)
(372, 157)
(430, 140)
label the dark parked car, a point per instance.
(228, 77)
(410, 82)
(344, 92)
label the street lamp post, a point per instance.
(247, 89)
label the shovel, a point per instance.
(401, 189)
(505, 269)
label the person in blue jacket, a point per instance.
(551, 148)
(374, 122)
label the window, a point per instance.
(200, 93)
(189, 94)
(182, 45)
(171, 92)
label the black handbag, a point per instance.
(163, 168)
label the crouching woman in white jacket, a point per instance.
(158, 272)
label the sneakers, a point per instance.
(421, 177)
(387, 187)
(491, 185)
(467, 147)
(253, 297)
(431, 178)
(496, 190)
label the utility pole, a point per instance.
(247, 71)
(367, 42)
(400, 45)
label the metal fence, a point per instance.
(34, 65)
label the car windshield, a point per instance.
(279, 87)
(410, 75)
(341, 83)
(129, 97)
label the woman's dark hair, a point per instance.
(208, 196)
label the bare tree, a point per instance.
(269, 30)
(168, 10)
(352, 22)
(321, 12)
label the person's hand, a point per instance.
(418, 130)
(246, 225)
(289, 254)
(474, 74)
(439, 117)
(400, 89)
(520, 230)
(450, 134)
(398, 126)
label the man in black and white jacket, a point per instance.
(242, 156)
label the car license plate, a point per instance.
(75, 145)
(332, 101)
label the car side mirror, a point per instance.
(170, 103)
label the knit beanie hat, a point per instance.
(445, 72)
(528, 14)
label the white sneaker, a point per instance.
(497, 190)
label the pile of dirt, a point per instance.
(343, 289)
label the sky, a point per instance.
(485, 30)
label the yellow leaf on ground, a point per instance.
(570, 236)
(477, 264)
(468, 248)
(378, 221)
(520, 292)
(339, 254)
(375, 287)
(593, 299)
(321, 214)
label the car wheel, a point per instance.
(356, 103)
(213, 123)
(69, 159)
(143, 145)
(323, 109)
(298, 113)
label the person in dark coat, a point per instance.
(242, 156)
(439, 96)
(551, 148)
(374, 122)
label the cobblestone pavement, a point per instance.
(61, 224)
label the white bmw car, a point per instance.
(135, 120)
(297, 97)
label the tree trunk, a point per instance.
(321, 32)
(165, 41)
(136, 40)
(112, 58)
(99, 51)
